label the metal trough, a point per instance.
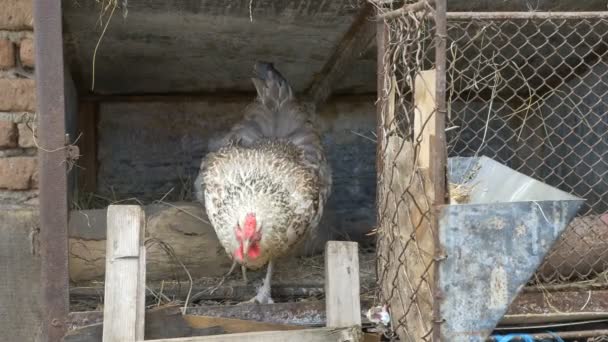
(494, 242)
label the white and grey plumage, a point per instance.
(271, 174)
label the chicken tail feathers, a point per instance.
(273, 89)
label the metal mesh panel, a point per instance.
(603, 338)
(533, 94)
(405, 237)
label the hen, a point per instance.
(264, 190)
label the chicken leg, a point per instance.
(243, 270)
(263, 294)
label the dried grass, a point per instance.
(460, 193)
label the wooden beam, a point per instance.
(354, 43)
(87, 144)
(124, 298)
(439, 155)
(214, 97)
(233, 325)
(351, 334)
(342, 298)
(173, 223)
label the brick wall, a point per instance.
(18, 161)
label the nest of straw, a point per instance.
(460, 193)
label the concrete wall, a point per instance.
(147, 149)
(19, 246)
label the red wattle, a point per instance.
(254, 251)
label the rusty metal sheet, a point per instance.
(494, 243)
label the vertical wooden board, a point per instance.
(404, 267)
(141, 289)
(123, 318)
(342, 293)
(424, 123)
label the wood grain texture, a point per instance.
(351, 334)
(233, 325)
(122, 315)
(342, 297)
(424, 125)
(180, 225)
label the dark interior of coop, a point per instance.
(150, 91)
(154, 93)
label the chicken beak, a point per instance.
(245, 248)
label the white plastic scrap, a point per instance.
(379, 315)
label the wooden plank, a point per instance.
(217, 97)
(304, 314)
(87, 144)
(162, 322)
(404, 264)
(342, 292)
(140, 303)
(232, 325)
(424, 123)
(93, 332)
(122, 316)
(354, 43)
(350, 334)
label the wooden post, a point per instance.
(123, 313)
(342, 298)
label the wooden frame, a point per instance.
(54, 186)
(124, 302)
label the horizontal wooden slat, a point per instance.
(352, 334)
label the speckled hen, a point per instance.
(264, 190)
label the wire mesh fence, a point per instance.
(533, 95)
(405, 235)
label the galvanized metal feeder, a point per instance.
(494, 241)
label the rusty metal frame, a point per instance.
(439, 155)
(50, 92)
(525, 15)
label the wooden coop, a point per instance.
(133, 94)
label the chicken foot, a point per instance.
(263, 294)
(234, 263)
